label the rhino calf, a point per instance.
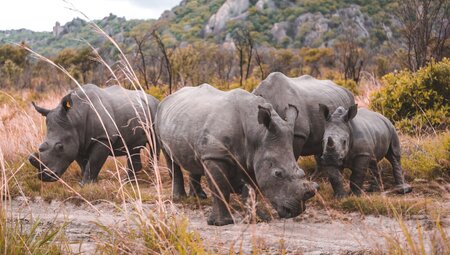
(91, 124)
(359, 139)
(231, 136)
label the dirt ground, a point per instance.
(314, 232)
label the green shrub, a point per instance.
(348, 84)
(416, 102)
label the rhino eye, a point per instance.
(344, 143)
(59, 147)
(278, 173)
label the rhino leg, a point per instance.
(217, 175)
(195, 187)
(335, 178)
(360, 165)
(82, 162)
(134, 164)
(375, 181)
(401, 186)
(178, 190)
(97, 157)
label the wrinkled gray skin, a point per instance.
(358, 139)
(305, 93)
(231, 136)
(75, 132)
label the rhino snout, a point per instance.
(44, 174)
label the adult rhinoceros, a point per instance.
(230, 136)
(305, 93)
(91, 124)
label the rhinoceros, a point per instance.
(92, 123)
(305, 93)
(359, 139)
(230, 136)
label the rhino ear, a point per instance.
(351, 113)
(67, 103)
(325, 111)
(291, 114)
(265, 115)
(40, 110)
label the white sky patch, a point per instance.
(41, 15)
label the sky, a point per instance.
(41, 15)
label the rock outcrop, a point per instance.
(230, 10)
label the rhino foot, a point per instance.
(177, 196)
(198, 193)
(219, 221)
(403, 188)
(340, 195)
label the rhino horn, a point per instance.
(44, 112)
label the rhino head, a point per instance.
(337, 136)
(60, 147)
(277, 173)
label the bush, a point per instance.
(416, 101)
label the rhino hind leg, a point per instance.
(217, 174)
(360, 166)
(401, 186)
(376, 183)
(178, 191)
(134, 164)
(195, 187)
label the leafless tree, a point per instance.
(350, 55)
(167, 63)
(426, 29)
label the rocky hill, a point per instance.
(279, 23)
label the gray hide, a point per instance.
(230, 136)
(305, 93)
(90, 121)
(358, 139)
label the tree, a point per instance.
(350, 55)
(244, 46)
(426, 29)
(167, 63)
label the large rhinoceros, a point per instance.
(359, 141)
(230, 136)
(91, 124)
(305, 93)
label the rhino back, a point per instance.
(115, 110)
(371, 134)
(306, 93)
(198, 123)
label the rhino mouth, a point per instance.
(291, 209)
(44, 173)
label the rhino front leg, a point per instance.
(335, 178)
(360, 165)
(82, 162)
(97, 157)
(134, 164)
(178, 190)
(218, 180)
(195, 186)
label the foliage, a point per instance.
(427, 158)
(16, 239)
(416, 101)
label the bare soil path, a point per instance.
(315, 232)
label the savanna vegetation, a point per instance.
(413, 94)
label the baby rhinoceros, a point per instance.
(359, 142)
(91, 124)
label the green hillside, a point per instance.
(282, 23)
